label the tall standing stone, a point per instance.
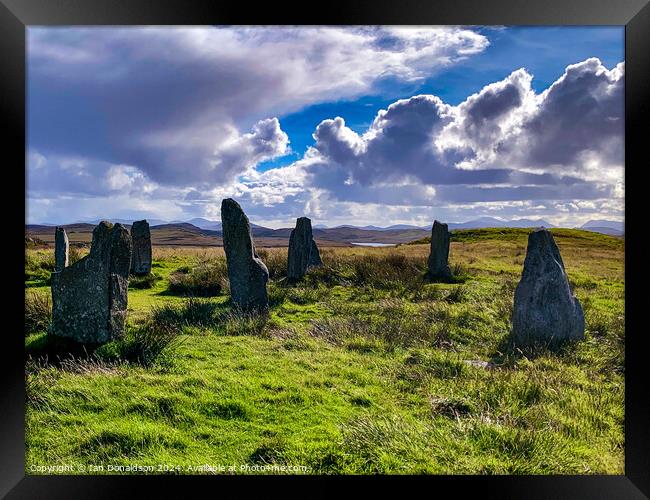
(303, 251)
(61, 247)
(247, 273)
(439, 256)
(89, 297)
(545, 310)
(141, 257)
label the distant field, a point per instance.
(362, 368)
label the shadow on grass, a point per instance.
(459, 274)
(54, 350)
(508, 353)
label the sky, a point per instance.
(346, 125)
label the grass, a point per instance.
(351, 372)
(208, 278)
(38, 312)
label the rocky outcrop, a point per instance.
(89, 297)
(247, 273)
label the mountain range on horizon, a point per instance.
(617, 227)
(186, 233)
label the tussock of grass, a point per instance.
(394, 325)
(38, 312)
(207, 279)
(275, 260)
(143, 282)
(202, 313)
(145, 344)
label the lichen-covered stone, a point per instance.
(303, 251)
(246, 272)
(314, 259)
(89, 297)
(545, 310)
(61, 248)
(141, 256)
(439, 255)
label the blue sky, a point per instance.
(165, 122)
(544, 51)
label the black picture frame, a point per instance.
(17, 15)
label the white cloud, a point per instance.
(176, 101)
(171, 120)
(502, 143)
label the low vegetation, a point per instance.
(140, 282)
(38, 312)
(208, 278)
(362, 367)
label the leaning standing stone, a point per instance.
(141, 258)
(60, 249)
(246, 272)
(439, 256)
(89, 297)
(545, 311)
(303, 251)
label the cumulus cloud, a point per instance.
(577, 119)
(503, 143)
(177, 102)
(165, 122)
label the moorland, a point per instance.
(362, 367)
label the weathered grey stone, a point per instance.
(61, 247)
(314, 259)
(141, 256)
(439, 256)
(247, 273)
(545, 310)
(303, 251)
(89, 297)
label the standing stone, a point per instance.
(89, 297)
(545, 311)
(60, 249)
(314, 259)
(303, 251)
(141, 258)
(439, 256)
(247, 273)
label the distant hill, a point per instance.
(485, 222)
(480, 223)
(190, 234)
(521, 234)
(604, 230)
(601, 225)
(374, 228)
(184, 234)
(202, 223)
(126, 222)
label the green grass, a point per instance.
(350, 373)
